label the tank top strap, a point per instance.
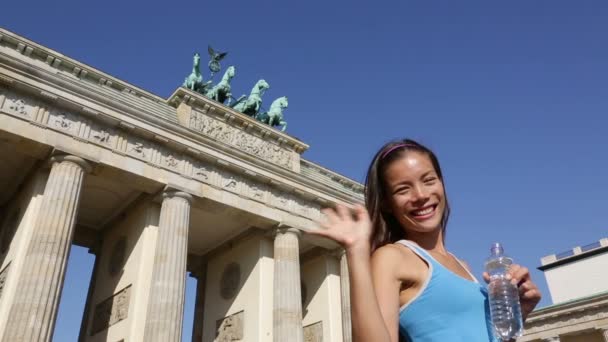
(418, 250)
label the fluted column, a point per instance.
(347, 330)
(166, 301)
(34, 308)
(287, 310)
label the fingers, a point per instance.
(486, 277)
(343, 212)
(330, 217)
(531, 295)
(519, 274)
(361, 214)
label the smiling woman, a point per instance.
(411, 288)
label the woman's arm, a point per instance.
(374, 288)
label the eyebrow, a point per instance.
(428, 173)
(409, 182)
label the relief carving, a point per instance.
(230, 329)
(257, 192)
(307, 209)
(101, 137)
(17, 106)
(202, 172)
(138, 149)
(314, 332)
(280, 200)
(111, 310)
(243, 141)
(171, 162)
(566, 319)
(63, 122)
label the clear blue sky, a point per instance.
(512, 95)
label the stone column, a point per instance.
(287, 310)
(605, 334)
(199, 306)
(347, 329)
(34, 308)
(167, 293)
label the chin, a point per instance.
(426, 227)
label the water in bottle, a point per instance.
(505, 309)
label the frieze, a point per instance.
(111, 310)
(137, 148)
(103, 136)
(124, 142)
(280, 199)
(566, 319)
(257, 192)
(21, 106)
(306, 208)
(235, 137)
(203, 172)
(64, 121)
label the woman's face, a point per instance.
(415, 194)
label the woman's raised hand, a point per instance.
(351, 228)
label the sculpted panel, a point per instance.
(313, 332)
(18, 105)
(244, 141)
(111, 310)
(230, 329)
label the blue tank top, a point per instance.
(447, 308)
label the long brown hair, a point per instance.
(385, 227)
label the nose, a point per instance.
(420, 194)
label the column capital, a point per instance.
(170, 193)
(63, 157)
(282, 229)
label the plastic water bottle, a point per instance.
(505, 309)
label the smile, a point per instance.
(424, 213)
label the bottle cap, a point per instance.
(496, 249)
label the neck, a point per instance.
(432, 242)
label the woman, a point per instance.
(411, 286)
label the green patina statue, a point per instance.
(194, 81)
(221, 91)
(252, 104)
(214, 60)
(274, 117)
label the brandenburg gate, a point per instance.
(157, 189)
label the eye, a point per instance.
(401, 190)
(430, 180)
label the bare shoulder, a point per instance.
(400, 261)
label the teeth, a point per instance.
(424, 211)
